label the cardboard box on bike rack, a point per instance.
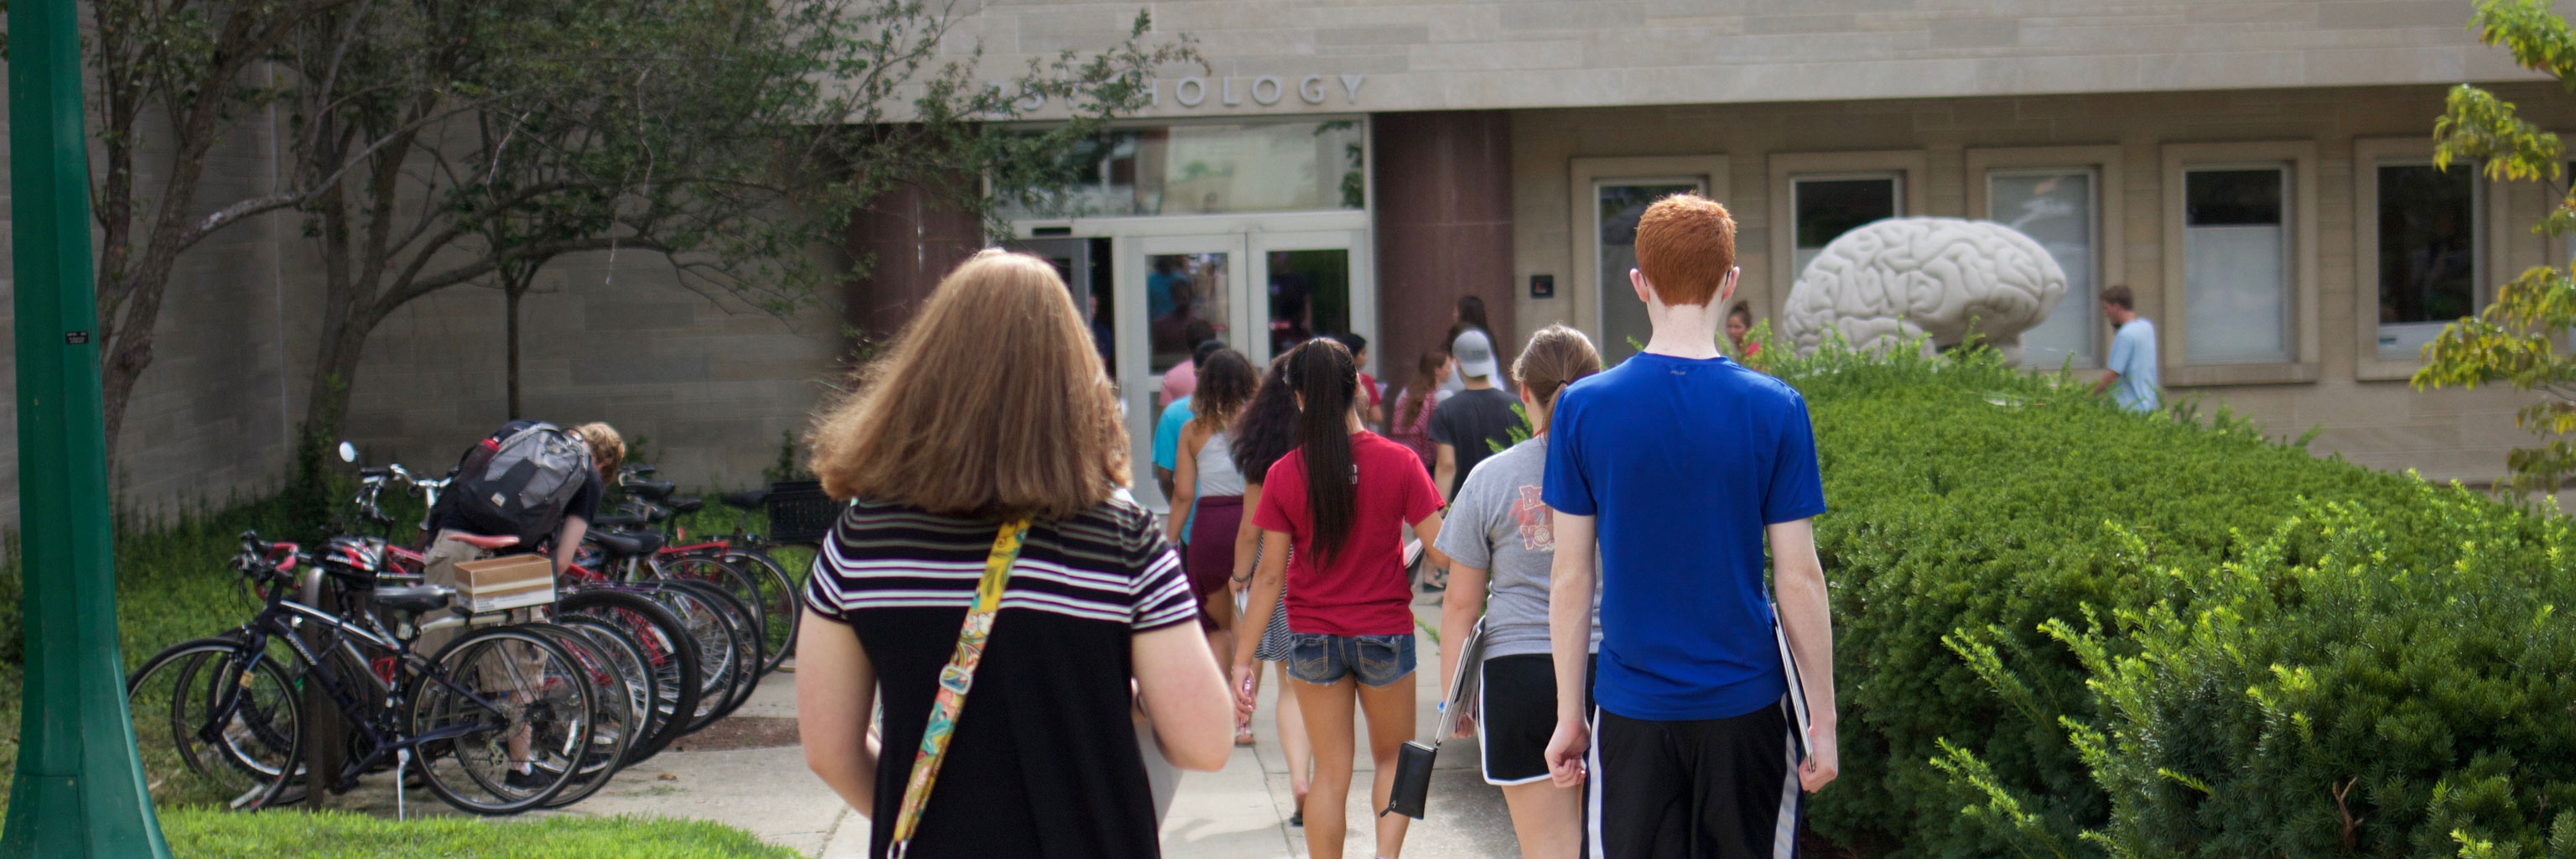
(498, 584)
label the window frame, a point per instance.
(2297, 159)
(1910, 166)
(1585, 176)
(2489, 207)
(2110, 252)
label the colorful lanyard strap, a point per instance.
(954, 681)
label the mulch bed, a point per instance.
(740, 732)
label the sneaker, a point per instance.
(533, 779)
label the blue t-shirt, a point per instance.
(1684, 462)
(1167, 448)
(2133, 356)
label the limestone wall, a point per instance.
(2367, 415)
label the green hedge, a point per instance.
(1981, 515)
(345, 835)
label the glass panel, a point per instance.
(1310, 296)
(2427, 254)
(1623, 318)
(1198, 169)
(1828, 208)
(1186, 296)
(2236, 269)
(2056, 209)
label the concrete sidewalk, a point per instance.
(1240, 812)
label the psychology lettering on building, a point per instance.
(1202, 93)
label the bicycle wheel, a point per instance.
(746, 676)
(726, 576)
(496, 700)
(634, 664)
(215, 725)
(614, 714)
(719, 646)
(669, 647)
(780, 613)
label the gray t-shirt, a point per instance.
(1498, 524)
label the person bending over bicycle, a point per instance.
(515, 488)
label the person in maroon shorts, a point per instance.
(1203, 473)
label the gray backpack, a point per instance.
(518, 481)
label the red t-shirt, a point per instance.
(1363, 591)
(1368, 385)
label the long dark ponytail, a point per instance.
(1325, 378)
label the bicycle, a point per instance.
(221, 718)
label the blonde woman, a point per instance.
(992, 407)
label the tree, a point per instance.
(189, 64)
(2515, 339)
(440, 143)
(727, 137)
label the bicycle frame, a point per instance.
(282, 618)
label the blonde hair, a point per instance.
(1555, 357)
(991, 403)
(607, 448)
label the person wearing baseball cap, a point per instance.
(1478, 421)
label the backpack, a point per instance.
(519, 480)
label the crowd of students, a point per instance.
(986, 466)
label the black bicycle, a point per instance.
(498, 722)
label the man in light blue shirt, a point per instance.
(2130, 375)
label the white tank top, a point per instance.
(1217, 475)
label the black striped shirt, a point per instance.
(1045, 760)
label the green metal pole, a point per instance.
(79, 790)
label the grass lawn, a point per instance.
(200, 834)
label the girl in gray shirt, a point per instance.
(1500, 540)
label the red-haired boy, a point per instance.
(1680, 464)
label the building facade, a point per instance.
(2258, 173)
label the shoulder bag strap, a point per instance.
(955, 680)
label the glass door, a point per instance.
(1084, 265)
(1305, 285)
(1174, 292)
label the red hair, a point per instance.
(1685, 247)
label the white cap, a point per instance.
(1475, 354)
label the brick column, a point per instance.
(911, 238)
(1444, 228)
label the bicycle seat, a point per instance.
(616, 520)
(414, 599)
(747, 500)
(484, 541)
(627, 544)
(654, 489)
(688, 505)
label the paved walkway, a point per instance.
(1239, 812)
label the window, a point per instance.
(2236, 265)
(2057, 208)
(1822, 208)
(2428, 254)
(1619, 203)
(1205, 169)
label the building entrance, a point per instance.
(1156, 286)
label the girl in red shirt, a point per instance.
(1342, 499)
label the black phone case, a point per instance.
(1412, 779)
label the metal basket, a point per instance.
(799, 512)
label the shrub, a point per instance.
(2312, 696)
(1973, 503)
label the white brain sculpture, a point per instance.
(1891, 280)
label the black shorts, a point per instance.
(1706, 789)
(1516, 715)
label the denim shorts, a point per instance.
(1376, 660)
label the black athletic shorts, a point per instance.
(1516, 715)
(1706, 789)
